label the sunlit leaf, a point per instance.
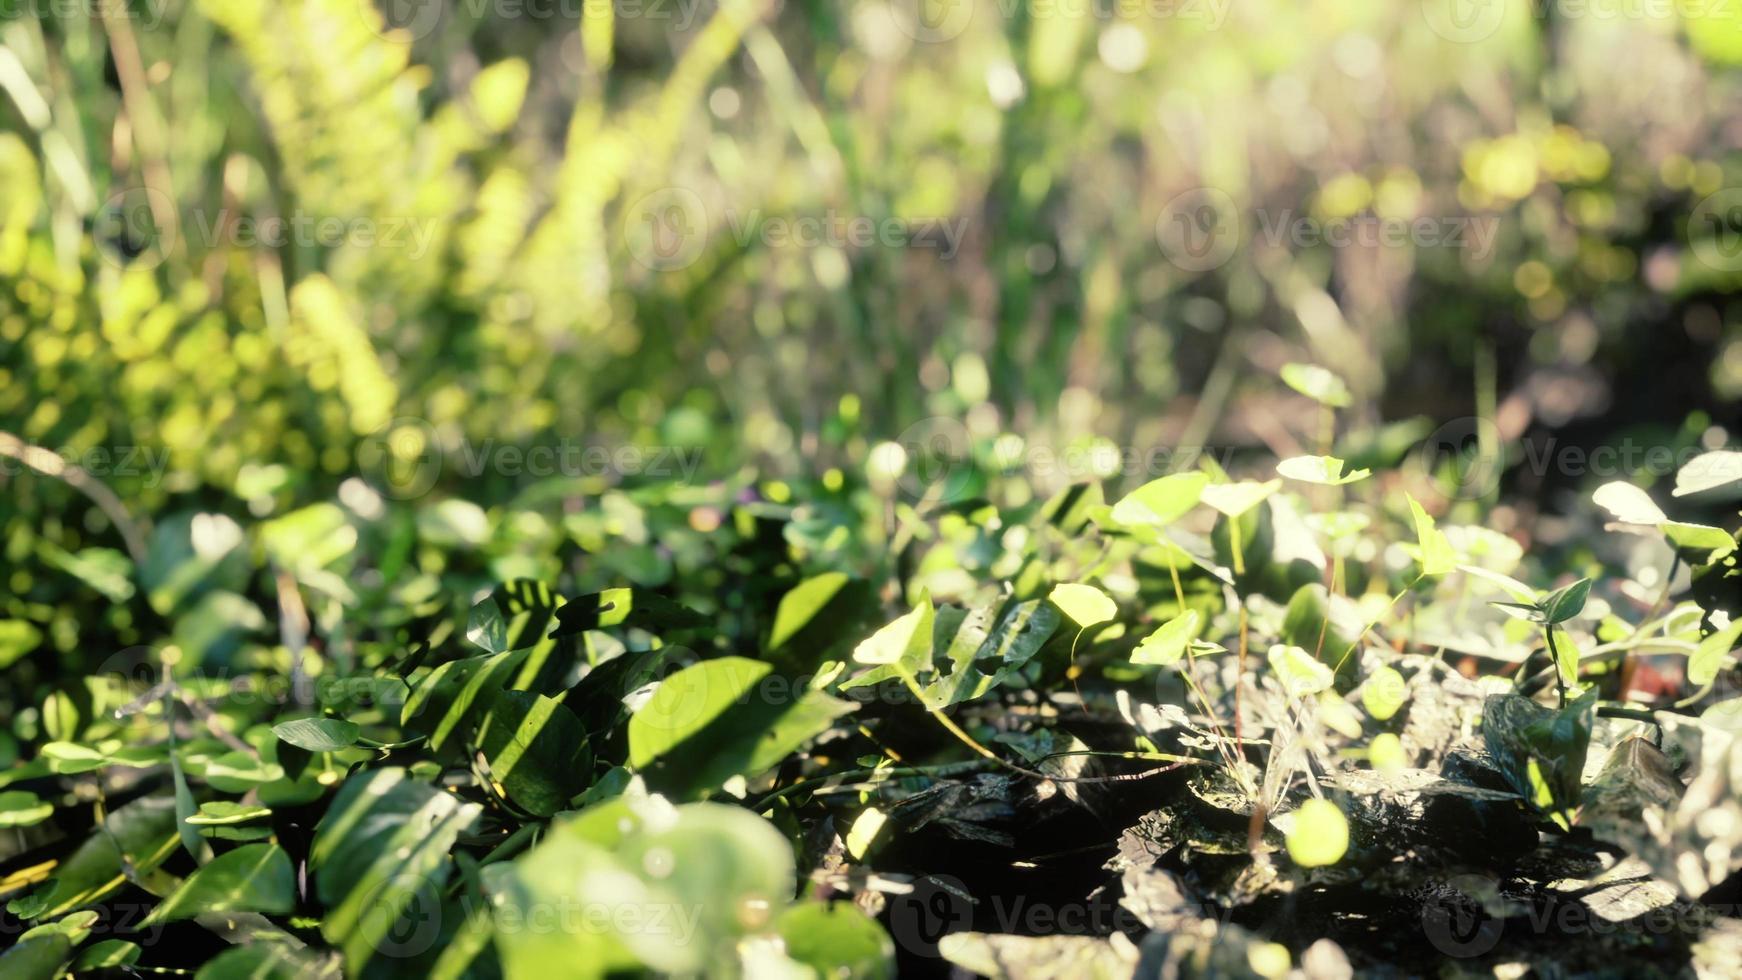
(1161, 501)
(251, 878)
(1316, 383)
(1234, 499)
(1708, 658)
(1168, 643)
(1324, 470)
(1436, 555)
(1084, 604)
(1319, 835)
(1300, 672)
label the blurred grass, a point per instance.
(520, 156)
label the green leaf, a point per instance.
(1316, 383)
(1233, 499)
(380, 857)
(1707, 658)
(1324, 470)
(1084, 604)
(802, 603)
(17, 638)
(1326, 626)
(1319, 835)
(318, 734)
(1436, 555)
(1709, 471)
(1565, 602)
(1384, 693)
(627, 607)
(1521, 594)
(836, 939)
(687, 701)
(718, 873)
(19, 808)
(1300, 672)
(1712, 542)
(220, 813)
(1168, 643)
(1566, 658)
(1160, 502)
(453, 697)
(718, 719)
(1628, 504)
(263, 960)
(108, 571)
(515, 615)
(864, 831)
(143, 831)
(905, 643)
(251, 878)
(108, 954)
(1540, 751)
(37, 956)
(1386, 753)
(536, 751)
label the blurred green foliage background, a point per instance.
(250, 249)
